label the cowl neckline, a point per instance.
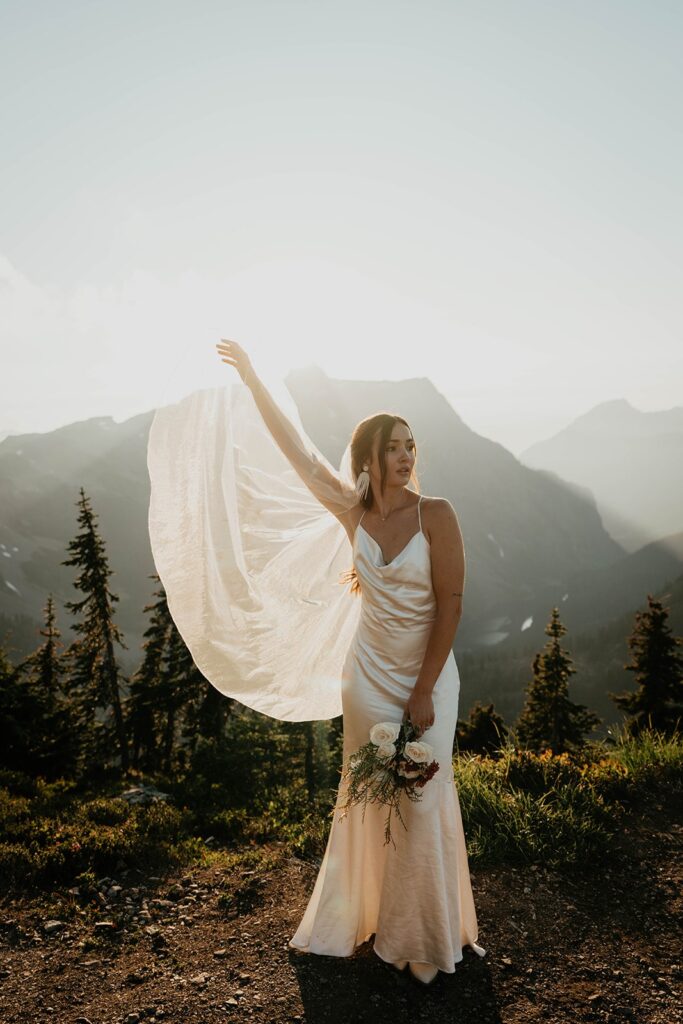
(384, 564)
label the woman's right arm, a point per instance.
(330, 490)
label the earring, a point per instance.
(363, 482)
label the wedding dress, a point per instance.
(250, 562)
(416, 898)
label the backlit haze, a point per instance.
(487, 195)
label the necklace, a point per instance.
(384, 518)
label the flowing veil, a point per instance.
(248, 556)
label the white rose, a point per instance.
(386, 750)
(420, 752)
(384, 732)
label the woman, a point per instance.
(302, 650)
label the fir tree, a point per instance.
(145, 689)
(171, 702)
(53, 740)
(94, 671)
(483, 733)
(17, 711)
(658, 666)
(549, 718)
(179, 683)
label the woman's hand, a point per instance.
(420, 710)
(234, 354)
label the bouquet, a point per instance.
(392, 763)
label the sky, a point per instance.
(486, 194)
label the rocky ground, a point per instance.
(211, 945)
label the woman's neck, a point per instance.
(392, 500)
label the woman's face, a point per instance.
(399, 455)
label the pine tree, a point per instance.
(94, 675)
(549, 718)
(483, 733)
(178, 685)
(171, 702)
(53, 740)
(658, 666)
(145, 689)
(17, 711)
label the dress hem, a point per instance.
(472, 943)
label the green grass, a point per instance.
(559, 811)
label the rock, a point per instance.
(104, 926)
(51, 927)
(200, 979)
(134, 978)
(219, 953)
(144, 794)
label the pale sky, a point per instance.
(488, 194)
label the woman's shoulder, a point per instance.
(435, 511)
(433, 501)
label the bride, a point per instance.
(250, 567)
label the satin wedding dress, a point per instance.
(251, 561)
(416, 898)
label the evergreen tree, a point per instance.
(658, 667)
(52, 739)
(549, 718)
(94, 671)
(205, 710)
(483, 733)
(16, 717)
(179, 683)
(145, 689)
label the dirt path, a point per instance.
(606, 947)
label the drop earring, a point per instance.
(363, 482)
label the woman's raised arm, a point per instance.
(327, 486)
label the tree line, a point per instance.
(72, 713)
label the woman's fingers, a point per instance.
(233, 354)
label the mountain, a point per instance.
(532, 540)
(628, 459)
(40, 477)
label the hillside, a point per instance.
(601, 946)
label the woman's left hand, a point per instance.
(420, 710)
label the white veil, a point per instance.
(249, 557)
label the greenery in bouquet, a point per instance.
(393, 762)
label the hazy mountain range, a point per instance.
(629, 460)
(533, 538)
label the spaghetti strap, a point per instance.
(419, 517)
(361, 518)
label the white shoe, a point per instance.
(424, 973)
